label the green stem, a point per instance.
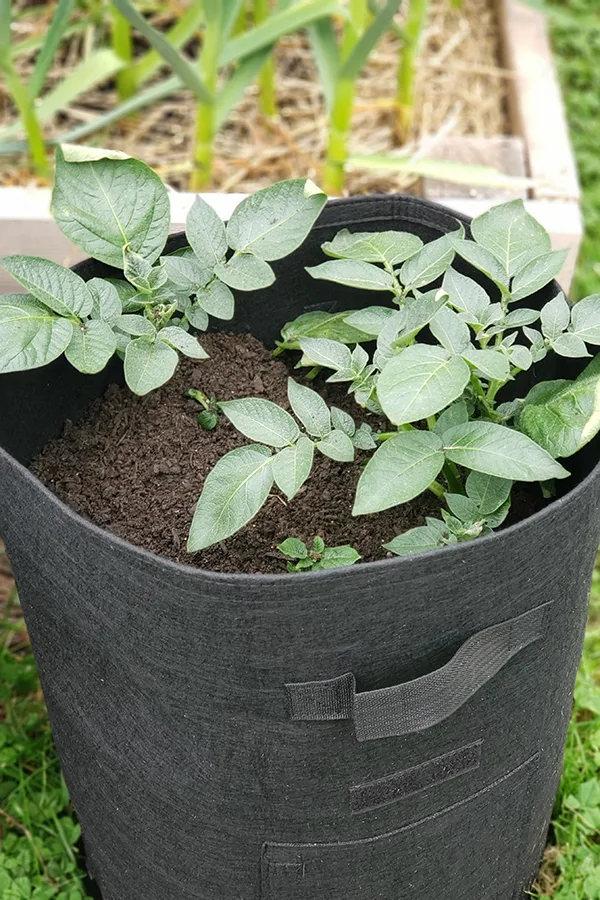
(199, 397)
(266, 79)
(205, 113)
(405, 95)
(436, 488)
(452, 477)
(337, 146)
(431, 420)
(29, 119)
(122, 41)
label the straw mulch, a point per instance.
(461, 91)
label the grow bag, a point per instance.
(391, 731)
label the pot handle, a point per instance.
(426, 701)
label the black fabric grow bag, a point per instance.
(393, 731)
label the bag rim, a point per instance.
(452, 551)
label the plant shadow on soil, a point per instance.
(136, 465)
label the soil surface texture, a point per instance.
(136, 465)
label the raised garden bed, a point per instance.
(487, 94)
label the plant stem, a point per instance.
(266, 79)
(122, 40)
(25, 105)
(337, 146)
(405, 96)
(205, 114)
(436, 488)
(452, 477)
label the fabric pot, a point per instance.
(392, 731)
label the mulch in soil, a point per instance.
(136, 465)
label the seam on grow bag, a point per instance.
(393, 788)
(351, 869)
(426, 701)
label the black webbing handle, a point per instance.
(426, 701)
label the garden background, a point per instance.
(39, 837)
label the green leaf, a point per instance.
(537, 273)
(293, 548)
(261, 420)
(464, 508)
(361, 51)
(519, 317)
(103, 205)
(136, 325)
(176, 60)
(338, 446)
(52, 39)
(343, 421)
(428, 264)
(555, 317)
(511, 234)
(322, 352)
(456, 414)
(188, 273)
(283, 21)
(196, 316)
(57, 288)
(491, 364)
(245, 272)
(319, 324)
(420, 382)
(497, 450)
(310, 408)
(402, 468)
(417, 540)
(148, 365)
(217, 300)
(465, 294)
(483, 260)
(538, 347)
(363, 438)
(569, 344)
(335, 557)
(140, 273)
(92, 345)
(324, 46)
(487, 491)
(30, 335)
(106, 303)
(585, 317)
(521, 357)
(275, 220)
(180, 340)
(353, 273)
(562, 416)
(370, 321)
(233, 493)
(417, 314)
(292, 466)
(449, 329)
(392, 247)
(206, 234)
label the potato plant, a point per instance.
(430, 362)
(117, 210)
(440, 362)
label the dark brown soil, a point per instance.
(136, 465)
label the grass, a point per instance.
(38, 832)
(577, 50)
(571, 870)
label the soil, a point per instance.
(462, 89)
(136, 465)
